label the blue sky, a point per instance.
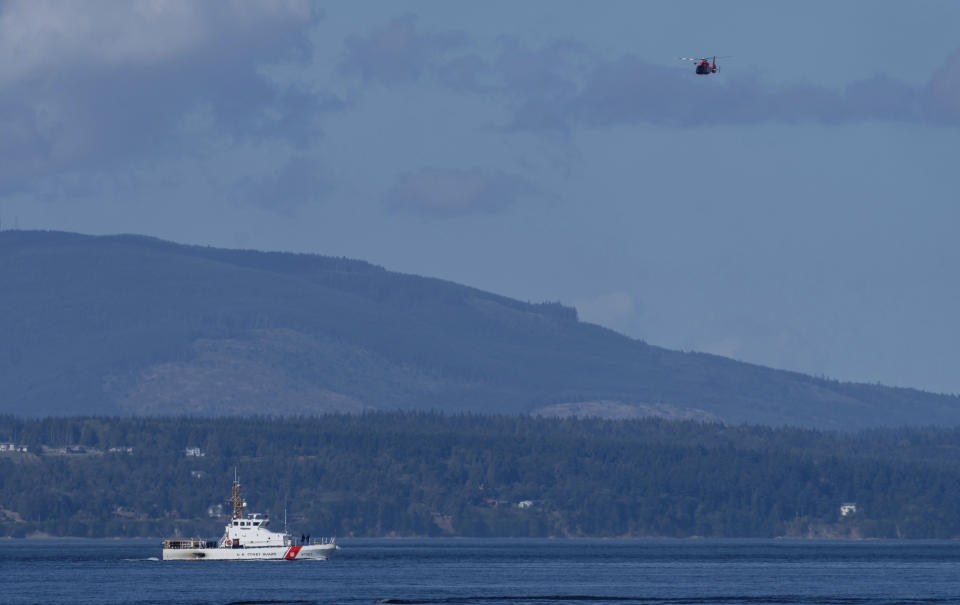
(797, 210)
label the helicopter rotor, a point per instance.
(703, 58)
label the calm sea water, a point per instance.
(493, 572)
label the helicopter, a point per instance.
(704, 66)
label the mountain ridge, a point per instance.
(130, 324)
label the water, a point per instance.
(494, 572)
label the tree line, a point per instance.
(431, 474)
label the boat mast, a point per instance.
(237, 499)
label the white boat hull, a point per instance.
(314, 552)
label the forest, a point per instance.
(411, 473)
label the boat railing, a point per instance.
(320, 541)
(193, 543)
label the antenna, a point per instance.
(237, 500)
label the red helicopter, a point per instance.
(704, 66)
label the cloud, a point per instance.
(726, 347)
(883, 98)
(466, 73)
(550, 71)
(612, 310)
(298, 182)
(564, 84)
(629, 90)
(540, 82)
(398, 53)
(448, 193)
(941, 97)
(57, 36)
(99, 84)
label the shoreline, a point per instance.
(52, 538)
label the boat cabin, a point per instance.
(252, 531)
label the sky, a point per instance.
(798, 209)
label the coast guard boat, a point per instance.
(246, 538)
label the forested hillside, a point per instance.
(132, 325)
(423, 474)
